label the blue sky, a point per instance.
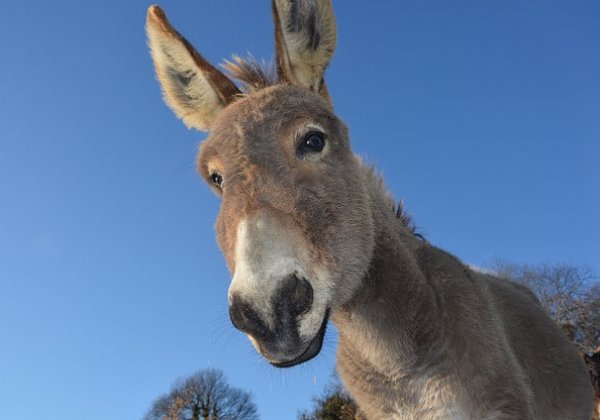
(483, 116)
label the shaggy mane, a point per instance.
(405, 218)
(251, 74)
(397, 207)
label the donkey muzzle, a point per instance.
(277, 338)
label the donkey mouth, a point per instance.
(313, 348)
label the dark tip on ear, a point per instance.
(154, 9)
(156, 13)
(158, 19)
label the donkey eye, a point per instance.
(217, 179)
(313, 141)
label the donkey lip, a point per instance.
(313, 348)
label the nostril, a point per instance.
(301, 298)
(244, 318)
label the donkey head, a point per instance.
(295, 223)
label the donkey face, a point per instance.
(295, 223)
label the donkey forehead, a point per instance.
(269, 115)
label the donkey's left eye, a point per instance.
(217, 179)
(313, 141)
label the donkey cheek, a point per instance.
(226, 243)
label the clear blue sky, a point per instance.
(483, 116)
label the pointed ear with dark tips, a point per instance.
(305, 39)
(194, 89)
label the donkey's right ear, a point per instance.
(192, 87)
(305, 38)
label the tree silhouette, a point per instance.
(203, 395)
(569, 293)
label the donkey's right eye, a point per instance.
(217, 179)
(312, 142)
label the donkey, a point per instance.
(310, 234)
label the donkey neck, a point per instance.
(392, 324)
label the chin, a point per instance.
(311, 350)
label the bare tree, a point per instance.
(204, 395)
(570, 294)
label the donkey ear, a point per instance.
(305, 38)
(192, 87)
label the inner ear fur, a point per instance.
(194, 89)
(305, 39)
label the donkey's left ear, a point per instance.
(305, 38)
(192, 87)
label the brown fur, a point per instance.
(422, 336)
